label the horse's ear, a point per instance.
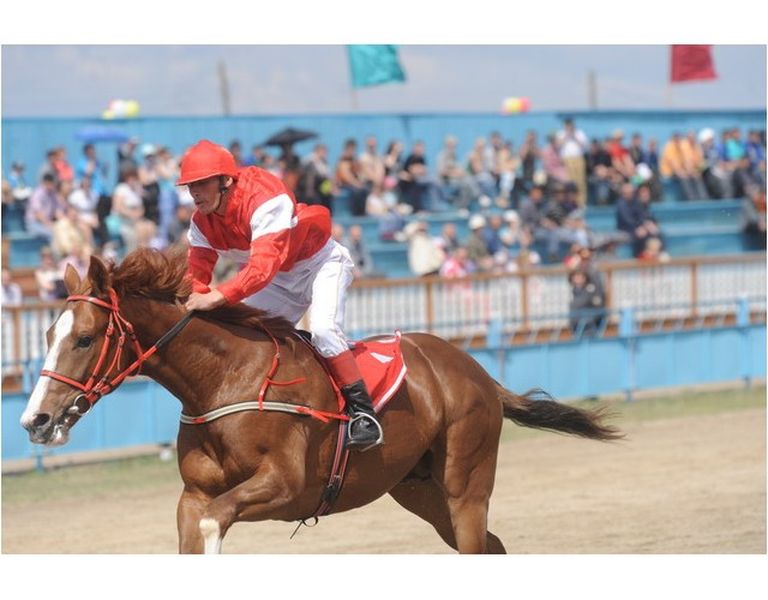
(72, 280)
(98, 274)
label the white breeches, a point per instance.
(319, 282)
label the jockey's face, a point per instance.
(207, 194)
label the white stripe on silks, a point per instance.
(62, 329)
(274, 215)
(196, 237)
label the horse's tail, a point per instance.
(539, 410)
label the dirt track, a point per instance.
(695, 484)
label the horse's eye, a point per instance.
(84, 341)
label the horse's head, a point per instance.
(75, 343)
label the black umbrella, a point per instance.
(289, 136)
(101, 133)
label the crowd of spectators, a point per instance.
(529, 200)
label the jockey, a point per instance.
(288, 260)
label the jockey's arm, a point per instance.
(267, 254)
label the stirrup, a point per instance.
(354, 419)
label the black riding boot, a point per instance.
(364, 431)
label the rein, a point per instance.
(97, 386)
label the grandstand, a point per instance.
(710, 293)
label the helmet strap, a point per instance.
(223, 189)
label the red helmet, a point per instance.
(206, 159)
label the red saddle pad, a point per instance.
(382, 365)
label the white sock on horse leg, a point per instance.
(212, 535)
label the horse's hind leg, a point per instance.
(426, 499)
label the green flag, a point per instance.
(374, 65)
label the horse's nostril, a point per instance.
(40, 419)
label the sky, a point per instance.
(168, 80)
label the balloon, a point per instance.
(516, 105)
(121, 109)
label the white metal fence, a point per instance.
(533, 300)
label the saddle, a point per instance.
(381, 364)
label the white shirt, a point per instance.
(574, 145)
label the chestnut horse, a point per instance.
(441, 428)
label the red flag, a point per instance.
(692, 63)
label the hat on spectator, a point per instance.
(617, 133)
(476, 222)
(148, 149)
(511, 216)
(706, 134)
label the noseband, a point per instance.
(118, 327)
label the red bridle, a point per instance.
(99, 385)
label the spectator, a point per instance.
(553, 163)
(652, 160)
(393, 159)
(372, 170)
(600, 173)
(424, 256)
(633, 216)
(449, 239)
(418, 188)
(392, 223)
(716, 178)
(480, 169)
(458, 187)
(573, 148)
(49, 278)
(753, 219)
(636, 151)
(70, 231)
(337, 233)
(587, 305)
(12, 295)
(348, 178)
(511, 232)
(529, 154)
(315, 185)
(381, 198)
(178, 227)
(150, 186)
(290, 166)
(359, 253)
(126, 162)
(21, 191)
(653, 251)
(49, 166)
(678, 161)
(457, 264)
(44, 207)
(477, 249)
(167, 173)
(236, 150)
(492, 233)
(755, 150)
(127, 221)
(256, 157)
(79, 256)
(620, 157)
(507, 165)
(95, 170)
(64, 170)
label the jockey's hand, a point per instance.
(209, 301)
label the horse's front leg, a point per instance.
(269, 489)
(188, 514)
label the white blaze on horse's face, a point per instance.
(61, 332)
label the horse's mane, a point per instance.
(163, 276)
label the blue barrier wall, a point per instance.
(144, 413)
(27, 139)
